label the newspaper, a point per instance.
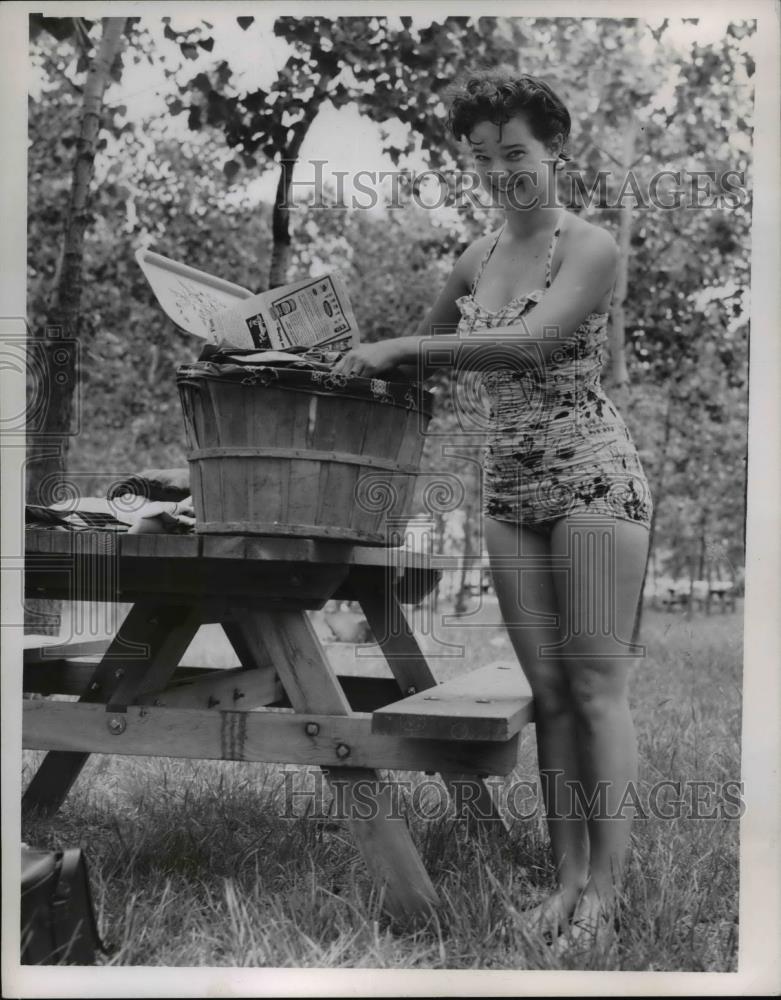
(314, 312)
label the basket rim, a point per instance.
(405, 395)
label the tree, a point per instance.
(149, 188)
(56, 344)
(384, 71)
(686, 271)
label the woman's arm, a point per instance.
(585, 275)
(442, 320)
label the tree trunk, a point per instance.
(52, 368)
(619, 376)
(703, 532)
(460, 605)
(690, 605)
(55, 348)
(657, 499)
(439, 549)
(281, 250)
(280, 227)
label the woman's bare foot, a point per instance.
(551, 917)
(593, 925)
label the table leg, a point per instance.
(383, 838)
(395, 637)
(166, 631)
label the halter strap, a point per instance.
(552, 248)
(548, 261)
(485, 259)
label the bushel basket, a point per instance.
(300, 452)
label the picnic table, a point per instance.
(701, 593)
(284, 703)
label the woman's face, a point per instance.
(514, 167)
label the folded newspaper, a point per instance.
(315, 312)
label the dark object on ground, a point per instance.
(57, 919)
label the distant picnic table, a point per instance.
(673, 594)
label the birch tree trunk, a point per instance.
(53, 351)
(619, 377)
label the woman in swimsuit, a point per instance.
(566, 504)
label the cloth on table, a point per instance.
(311, 358)
(125, 513)
(317, 360)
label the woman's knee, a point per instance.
(597, 692)
(551, 693)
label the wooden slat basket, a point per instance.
(296, 452)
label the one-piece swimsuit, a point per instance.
(556, 444)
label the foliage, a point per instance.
(688, 269)
(172, 195)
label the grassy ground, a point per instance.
(195, 863)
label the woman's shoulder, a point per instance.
(582, 236)
(468, 263)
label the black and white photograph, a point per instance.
(390, 487)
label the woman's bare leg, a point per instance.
(599, 596)
(523, 579)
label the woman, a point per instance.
(566, 503)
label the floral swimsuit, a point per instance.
(556, 444)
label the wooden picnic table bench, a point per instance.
(285, 703)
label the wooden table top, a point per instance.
(239, 547)
(214, 565)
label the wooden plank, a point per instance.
(230, 419)
(204, 424)
(384, 431)
(383, 838)
(267, 735)
(355, 417)
(61, 650)
(163, 632)
(492, 703)
(281, 432)
(212, 489)
(190, 547)
(288, 640)
(189, 582)
(393, 633)
(240, 548)
(363, 693)
(302, 491)
(304, 420)
(411, 447)
(72, 676)
(160, 546)
(235, 688)
(178, 627)
(329, 423)
(307, 529)
(336, 492)
(408, 665)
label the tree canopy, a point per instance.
(648, 98)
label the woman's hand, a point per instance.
(370, 360)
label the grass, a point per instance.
(195, 862)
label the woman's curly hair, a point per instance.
(497, 95)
